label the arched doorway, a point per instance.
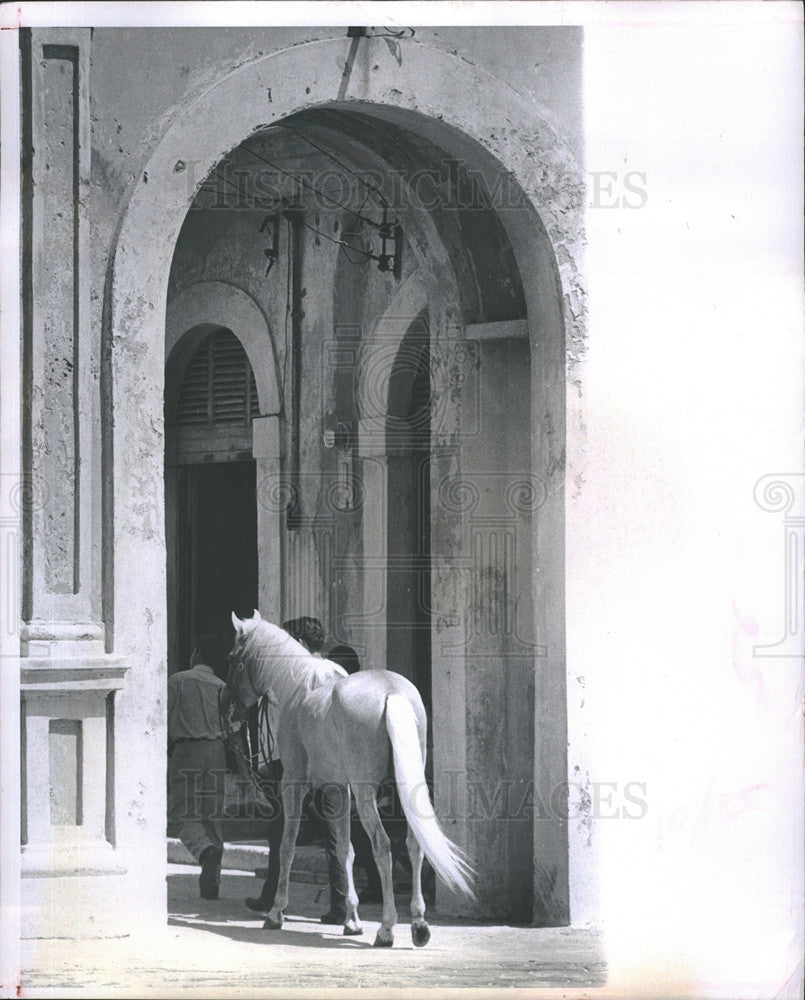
(211, 501)
(441, 118)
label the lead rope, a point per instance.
(262, 717)
(226, 735)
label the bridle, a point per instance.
(227, 730)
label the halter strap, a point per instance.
(224, 720)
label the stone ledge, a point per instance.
(85, 673)
(72, 859)
(310, 862)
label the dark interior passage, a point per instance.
(409, 500)
(217, 540)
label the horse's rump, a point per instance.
(359, 716)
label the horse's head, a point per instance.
(266, 660)
(239, 682)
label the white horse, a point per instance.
(335, 729)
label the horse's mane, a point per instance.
(279, 663)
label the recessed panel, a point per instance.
(65, 746)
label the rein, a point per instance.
(262, 719)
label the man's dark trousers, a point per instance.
(325, 807)
(196, 793)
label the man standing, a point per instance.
(326, 803)
(198, 761)
(325, 807)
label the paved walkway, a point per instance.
(220, 949)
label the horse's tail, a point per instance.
(409, 770)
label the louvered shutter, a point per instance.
(218, 387)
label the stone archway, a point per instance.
(219, 303)
(192, 312)
(428, 92)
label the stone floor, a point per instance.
(220, 949)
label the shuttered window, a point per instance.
(218, 387)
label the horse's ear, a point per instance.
(238, 624)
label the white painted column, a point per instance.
(59, 606)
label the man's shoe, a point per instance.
(334, 917)
(258, 905)
(209, 879)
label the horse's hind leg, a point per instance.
(335, 812)
(381, 849)
(420, 932)
(352, 924)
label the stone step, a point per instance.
(310, 862)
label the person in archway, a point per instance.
(346, 657)
(323, 807)
(198, 759)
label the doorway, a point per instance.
(217, 550)
(211, 515)
(217, 123)
(210, 489)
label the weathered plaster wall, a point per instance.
(541, 64)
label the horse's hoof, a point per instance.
(352, 929)
(383, 942)
(272, 925)
(420, 933)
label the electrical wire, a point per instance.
(311, 187)
(389, 33)
(363, 203)
(240, 190)
(236, 187)
(365, 253)
(288, 307)
(370, 188)
(341, 243)
(331, 156)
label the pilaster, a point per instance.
(71, 865)
(266, 446)
(374, 484)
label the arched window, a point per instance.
(218, 386)
(210, 486)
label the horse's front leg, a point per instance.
(292, 807)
